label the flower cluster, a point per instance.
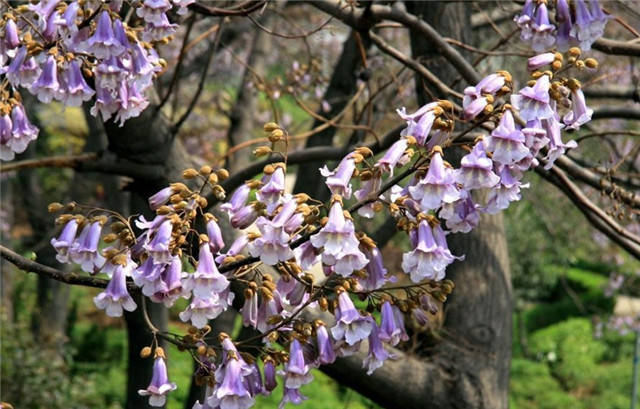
(580, 24)
(74, 52)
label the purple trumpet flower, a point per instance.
(534, 102)
(11, 39)
(392, 328)
(244, 217)
(115, 297)
(476, 169)
(160, 30)
(368, 188)
(339, 179)
(556, 147)
(85, 250)
(431, 255)
(337, 235)
(507, 141)
(152, 10)
(349, 260)
(376, 273)
(419, 123)
(525, 19)
(326, 353)
(206, 280)
(437, 187)
(158, 247)
(106, 105)
(270, 382)
(580, 113)
(76, 89)
(64, 242)
(103, 44)
(273, 189)
(160, 198)
(306, 255)
(47, 87)
(159, 386)
(200, 310)
(296, 371)
(540, 60)
(237, 201)
(564, 39)
(250, 310)
(273, 245)
(23, 132)
(169, 288)
(291, 395)
(462, 216)
(216, 242)
(231, 392)
(394, 156)
(377, 354)
(543, 33)
(350, 326)
(507, 191)
(148, 276)
(23, 71)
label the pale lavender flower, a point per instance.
(170, 288)
(476, 169)
(564, 39)
(106, 105)
(392, 328)
(47, 87)
(244, 217)
(394, 156)
(306, 255)
(160, 198)
(11, 39)
(540, 60)
(462, 216)
(337, 235)
(273, 244)
(543, 32)
(76, 90)
(160, 30)
(507, 141)
(376, 273)
(524, 20)
(158, 247)
(152, 11)
(377, 354)
(350, 326)
(270, 382)
(437, 187)
(85, 250)
(23, 132)
(273, 189)
(291, 395)
(64, 242)
(506, 192)
(231, 392)
(349, 260)
(148, 276)
(296, 371)
(534, 102)
(236, 248)
(216, 242)
(580, 113)
(23, 71)
(103, 44)
(250, 310)
(368, 188)
(159, 386)
(237, 201)
(115, 297)
(556, 147)
(206, 280)
(201, 310)
(430, 257)
(339, 179)
(326, 354)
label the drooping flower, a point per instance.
(115, 297)
(85, 250)
(296, 371)
(159, 30)
(350, 326)
(506, 192)
(291, 395)
(392, 328)
(337, 235)
(339, 180)
(76, 90)
(270, 382)
(394, 156)
(431, 255)
(231, 392)
(64, 242)
(169, 288)
(543, 32)
(376, 273)
(326, 354)
(206, 280)
(216, 242)
(437, 187)
(103, 44)
(160, 198)
(158, 247)
(564, 39)
(580, 113)
(160, 386)
(507, 141)
(462, 216)
(419, 124)
(367, 188)
(534, 102)
(273, 244)
(23, 71)
(250, 309)
(47, 87)
(377, 354)
(540, 60)
(23, 132)
(237, 201)
(147, 276)
(151, 11)
(476, 169)
(11, 39)
(201, 310)
(556, 146)
(272, 190)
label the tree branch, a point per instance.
(614, 47)
(623, 112)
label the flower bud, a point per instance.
(189, 173)
(270, 126)
(145, 352)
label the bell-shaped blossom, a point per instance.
(85, 250)
(47, 87)
(437, 187)
(534, 102)
(543, 32)
(306, 255)
(350, 326)
(375, 271)
(206, 280)
(103, 44)
(273, 244)
(349, 260)
(556, 147)
(507, 141)
(506, 192)
(23, 71)
(216, 242)
(151, 11)
(132, 102)
(367, 188)
(270, 382)
(273, 189)
(589, 23)
(231, 392)
(76, 90)
(110, 74)
(292, 290)
(158, 247)
(105, 105)
(337, 235)
(169, 288)
(115, 297)
(148, 276)
(525, 19)
(245, 216)
(564, 39)
(201, 310)
(377, 354)
(64, 242)
(392, 329)
(296, 371)
(476, 169)
(430, 257)
(250, 310)
(419, 123)
(339, 180)
(254, 381)
(160, 198)
(159, 30)
(67, 21)
(160, 386)
(291, 395)
(271, 306)
(326, 354)
(11, 38)
(237, 201)
(462, 216)
(22, 131)
(580, 113)
(394, 156)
